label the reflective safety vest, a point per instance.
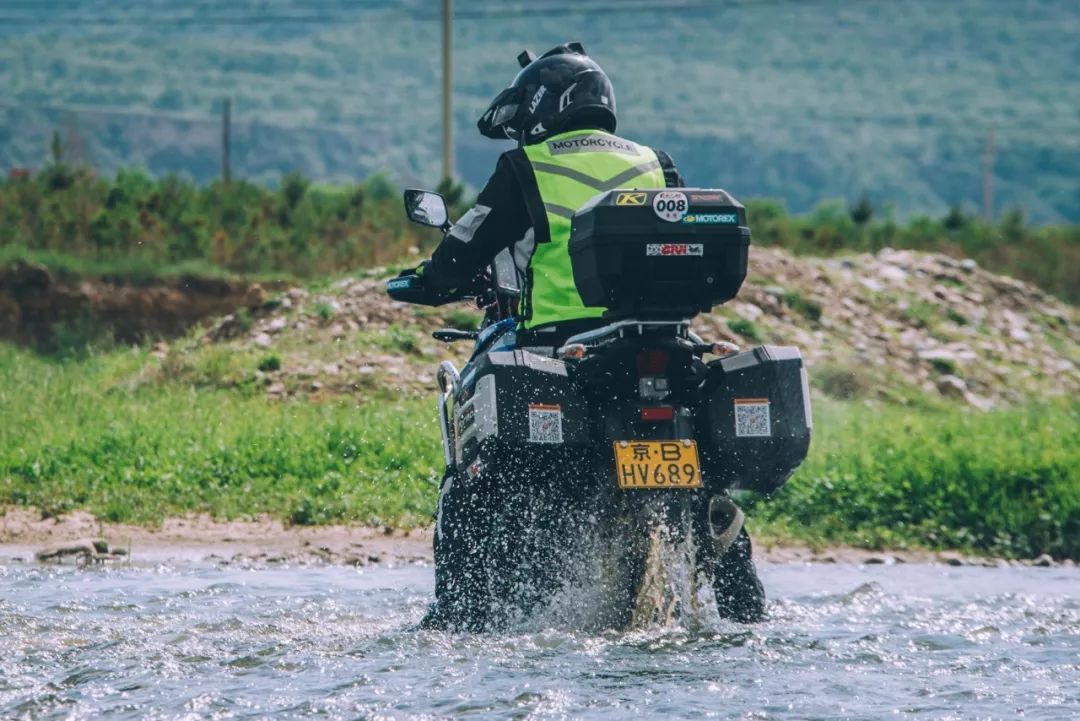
(570, 169)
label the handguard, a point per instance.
(411, 288)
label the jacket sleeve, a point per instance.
(497, 220)
(672, 177)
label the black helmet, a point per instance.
(562, 88)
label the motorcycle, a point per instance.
(604, 459)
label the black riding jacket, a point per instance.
(499, 219)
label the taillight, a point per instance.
(658, 413)
(651, 363)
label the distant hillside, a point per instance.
(793, 100)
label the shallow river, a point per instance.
(197, 641)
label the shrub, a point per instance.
(840, 382)
(462, 319)
(809, 308)
(270, 363)
(745, 328)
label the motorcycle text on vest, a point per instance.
(584, 463)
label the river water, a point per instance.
(194, 641)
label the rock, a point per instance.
(262, 340)
(978, 402)
(749, 311)
(951, 387)
(277, 325)
(315, 386)
(1018, 334)
(1044, 561)
(893, 273)
(84, 550)
(276, 389)
(871, 284)
(968, 265)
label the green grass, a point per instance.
(83, 435)
(113, 435)
(746, 328)
(1006, 482)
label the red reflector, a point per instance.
(663, 413)
(651, 363)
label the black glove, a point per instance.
(418, 270)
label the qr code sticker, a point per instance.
(752, 417)
(545, 424)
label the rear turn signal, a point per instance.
(659, 413)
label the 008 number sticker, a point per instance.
(670, 205)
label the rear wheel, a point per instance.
(499, 545)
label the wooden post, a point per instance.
(447, 89)
(226, 170)
(988, 177)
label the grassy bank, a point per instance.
(85, 434)
(111, 435)
(1005, 482)
(135, 225)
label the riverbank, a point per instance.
(944, 399)
(25, 533)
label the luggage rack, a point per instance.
(576, 346)
(632, 328)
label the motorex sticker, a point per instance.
(752, 417)
(545, 423)
(670, 205)
(712, 219)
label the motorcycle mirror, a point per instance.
(427, 208)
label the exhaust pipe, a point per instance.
(725, 522)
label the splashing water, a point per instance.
(842, 642)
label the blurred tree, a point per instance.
(863, 212)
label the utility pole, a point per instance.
(988, 177)
(226, 111)
(447, 89)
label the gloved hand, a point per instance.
(418, 270)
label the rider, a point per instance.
(561, 110)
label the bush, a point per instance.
(809, 308)
(745, 328)
(270, 363)
(309, 230)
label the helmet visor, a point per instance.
(501, 111)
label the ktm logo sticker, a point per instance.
(631, 198)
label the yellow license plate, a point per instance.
(657, 464)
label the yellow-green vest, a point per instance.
(570, 169)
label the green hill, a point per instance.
(793, 100)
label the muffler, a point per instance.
(725, 522)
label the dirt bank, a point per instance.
(37, 305)
(892, 325)
(24, 534)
